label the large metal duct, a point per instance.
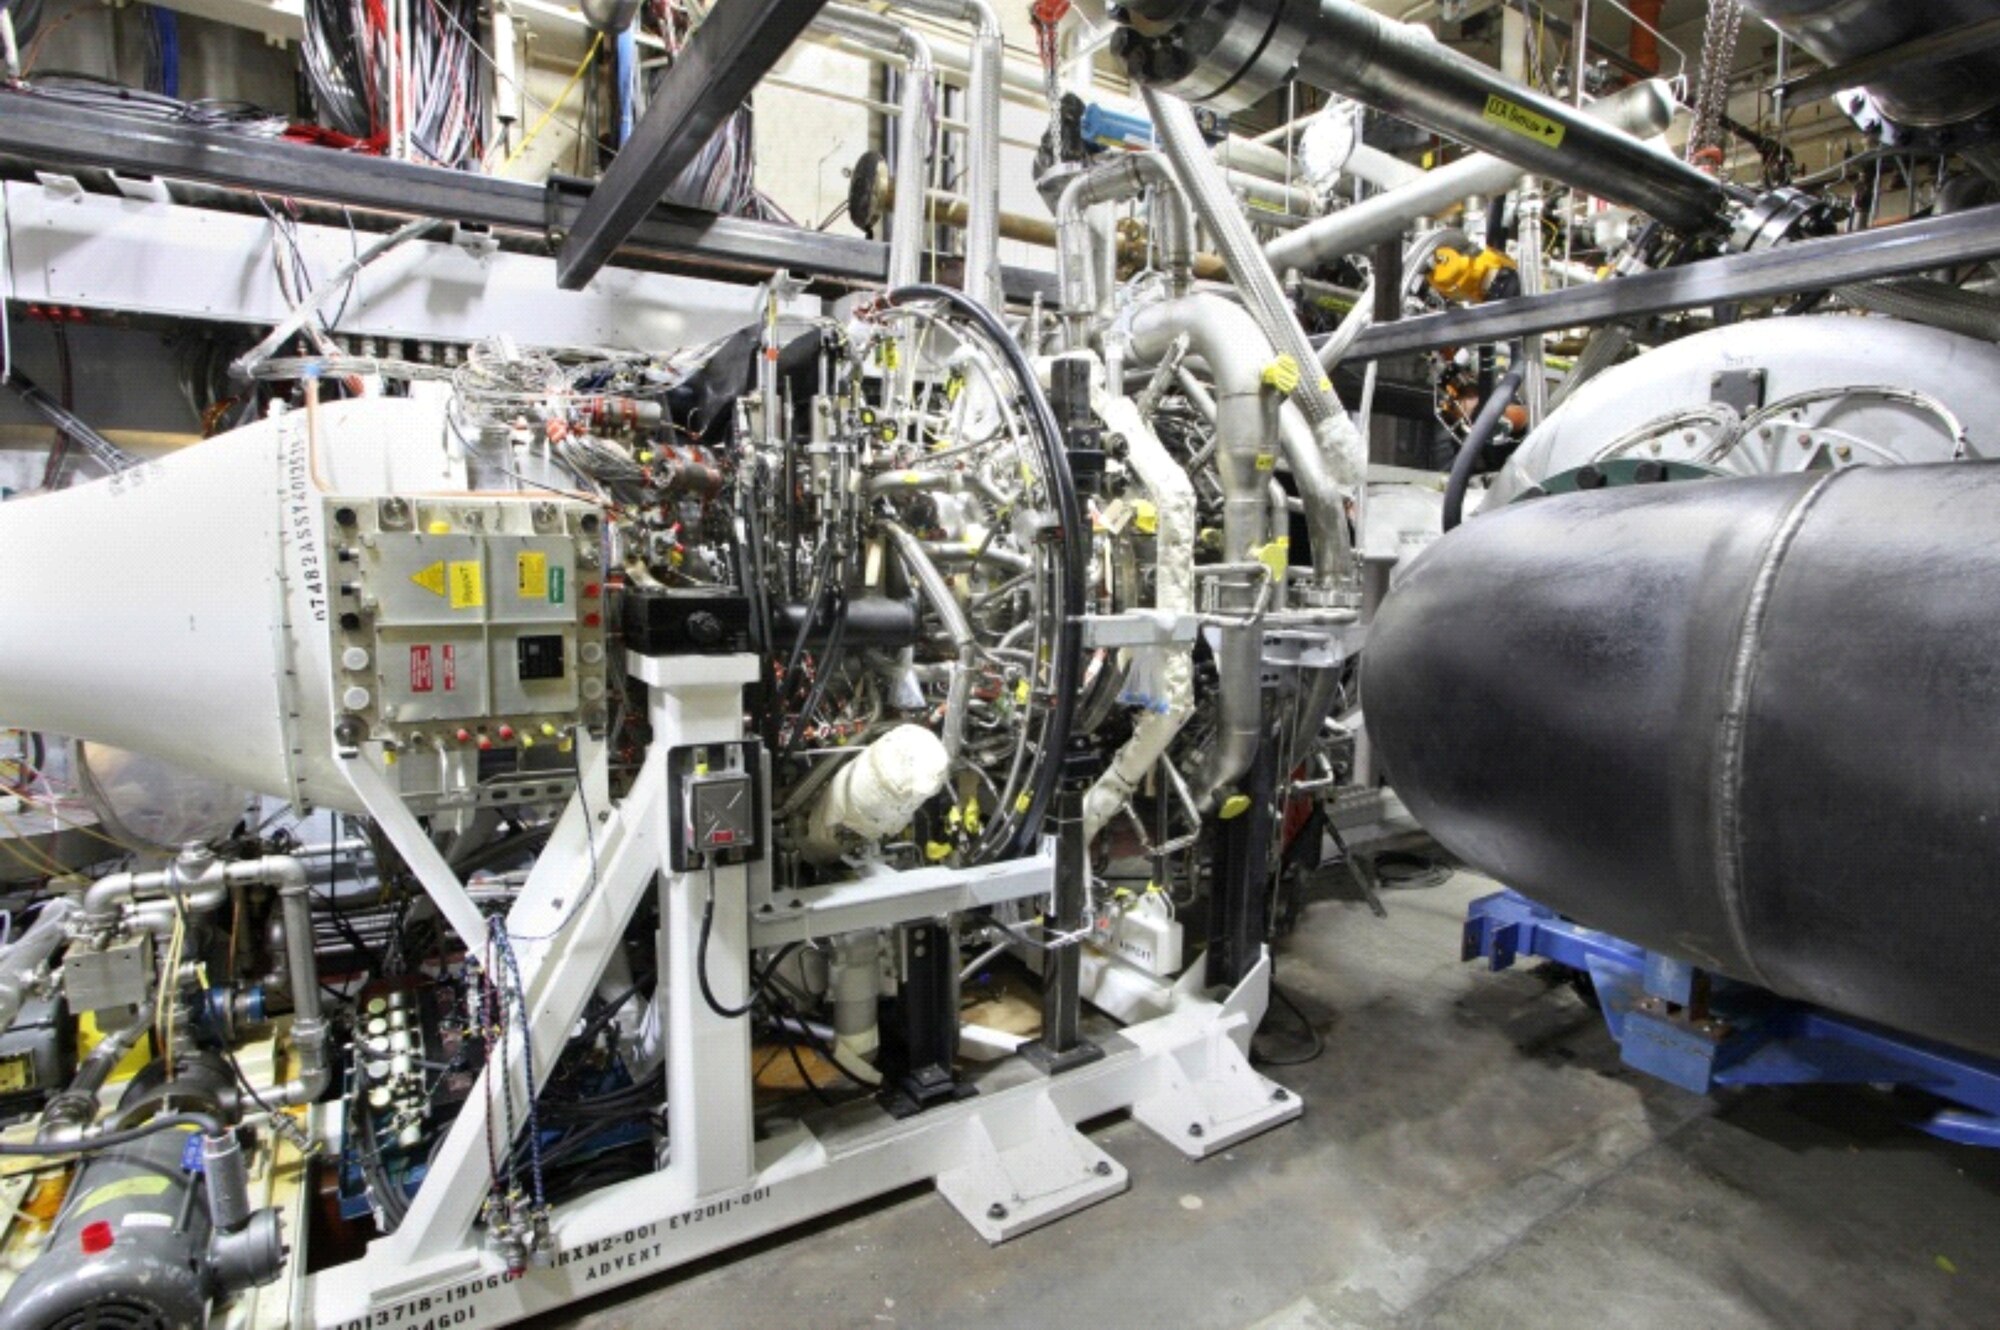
(1924, 94)
(1231, 53)
(1748, 723)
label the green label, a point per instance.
(1523, 121)
(556, 581)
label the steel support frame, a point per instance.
(735, 46)
(1699, 1030)
(61, 137)
(1009, 1158)
(1809, 265)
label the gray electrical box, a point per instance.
(118, 975)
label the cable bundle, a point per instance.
(102, 95)
(345, 41)
(447, 113)
(349, 51)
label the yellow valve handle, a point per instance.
(1282, 375)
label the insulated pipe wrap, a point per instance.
(913, 129)
(987, 60)
(1747, 723)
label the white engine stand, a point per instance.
(1009, 1158)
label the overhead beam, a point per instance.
(60, 137)
(1810, 265)
(735, 46)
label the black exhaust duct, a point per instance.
(1754, 724)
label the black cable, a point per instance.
(111, 1140)
(1073, 545)
(822, 675)
(1484, 426)
(391, 1198)
(701, 961)
(1318, 1041)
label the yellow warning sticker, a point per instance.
(17, 1073)
(1523, 121)
(431, 579)
(468, 584)
(531, 575)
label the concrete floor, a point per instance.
(1472, 1154)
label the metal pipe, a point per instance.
(1644, 108)
(24, 963)
(988, 59)
(1236, 350)
(69, 1115)
(1339, 449)
(1172, 495)
(930, 582)
(1246, 441)
(1082, 275)
(1231, 53)
(197, 883)
(913, 128)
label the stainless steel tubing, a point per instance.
(1643, 108)
(1341, 455)
(913, 129)
(982, 227)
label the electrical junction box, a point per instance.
(718, 798)
(117, 975)
(466, 621)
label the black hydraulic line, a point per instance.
(1072, 544)
(209, 1126)
(1484, 426)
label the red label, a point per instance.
(450, 668)
(420, 669)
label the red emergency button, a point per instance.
(95, 1238)
(463, 736)
(485, 744)
(592, 619)
(506, 734)
(591, 590)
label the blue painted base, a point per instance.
(1699, 1030)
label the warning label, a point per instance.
(1523, 121)
(430, 579)
(467, 581)
(532, 575)
(432, 668)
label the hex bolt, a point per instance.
(996, 1211)
(1102, 1168)
(1194, 1130)
(1280, 1095)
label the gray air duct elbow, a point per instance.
(1231, 53)
(1747, 723)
